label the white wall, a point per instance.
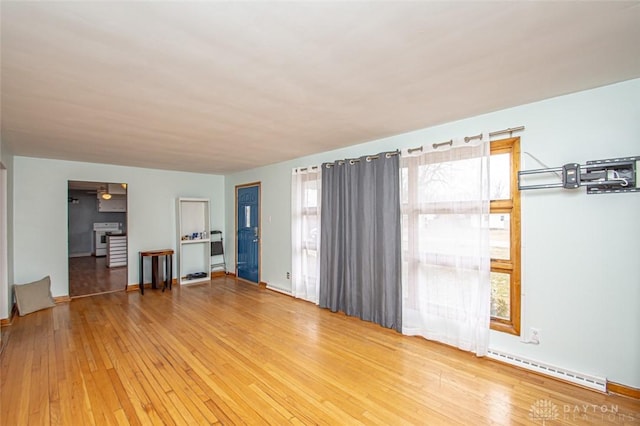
(4, 245)
(6, 158)
(581, 270)
(40, 206)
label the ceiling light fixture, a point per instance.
(104, 193)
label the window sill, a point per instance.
(504, 326)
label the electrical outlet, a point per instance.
(534, 335)
(288, 275)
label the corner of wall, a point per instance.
(6, 159)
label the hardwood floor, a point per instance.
(90, 275)
(231, 353)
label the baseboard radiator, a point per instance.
(592, 382)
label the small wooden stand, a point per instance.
(156, 270)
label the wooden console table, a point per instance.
(156, 271)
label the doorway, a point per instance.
(97, 237)
(248, 232)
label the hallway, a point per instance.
(89, 275)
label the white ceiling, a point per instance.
(218, 87)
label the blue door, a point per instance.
(248, 232)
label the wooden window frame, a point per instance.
(510, 206)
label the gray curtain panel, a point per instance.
(360, 249)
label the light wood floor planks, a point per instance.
(231, 353)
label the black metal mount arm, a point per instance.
(598, 176)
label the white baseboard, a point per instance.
(80, 254)
(279, 290)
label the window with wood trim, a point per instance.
(504, 224)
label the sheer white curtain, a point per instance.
(445, 245)
(305, 232)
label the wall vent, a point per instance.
(592, 382)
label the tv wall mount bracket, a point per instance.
(614, 175)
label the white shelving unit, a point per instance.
(194, 244)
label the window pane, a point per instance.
(447, 239)
(309, 263)
(449, 181)
(500, 295)
(405, 234)
(500, 176)
(310, 230)
(310, 194)
(404, 185)
(499, 235)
